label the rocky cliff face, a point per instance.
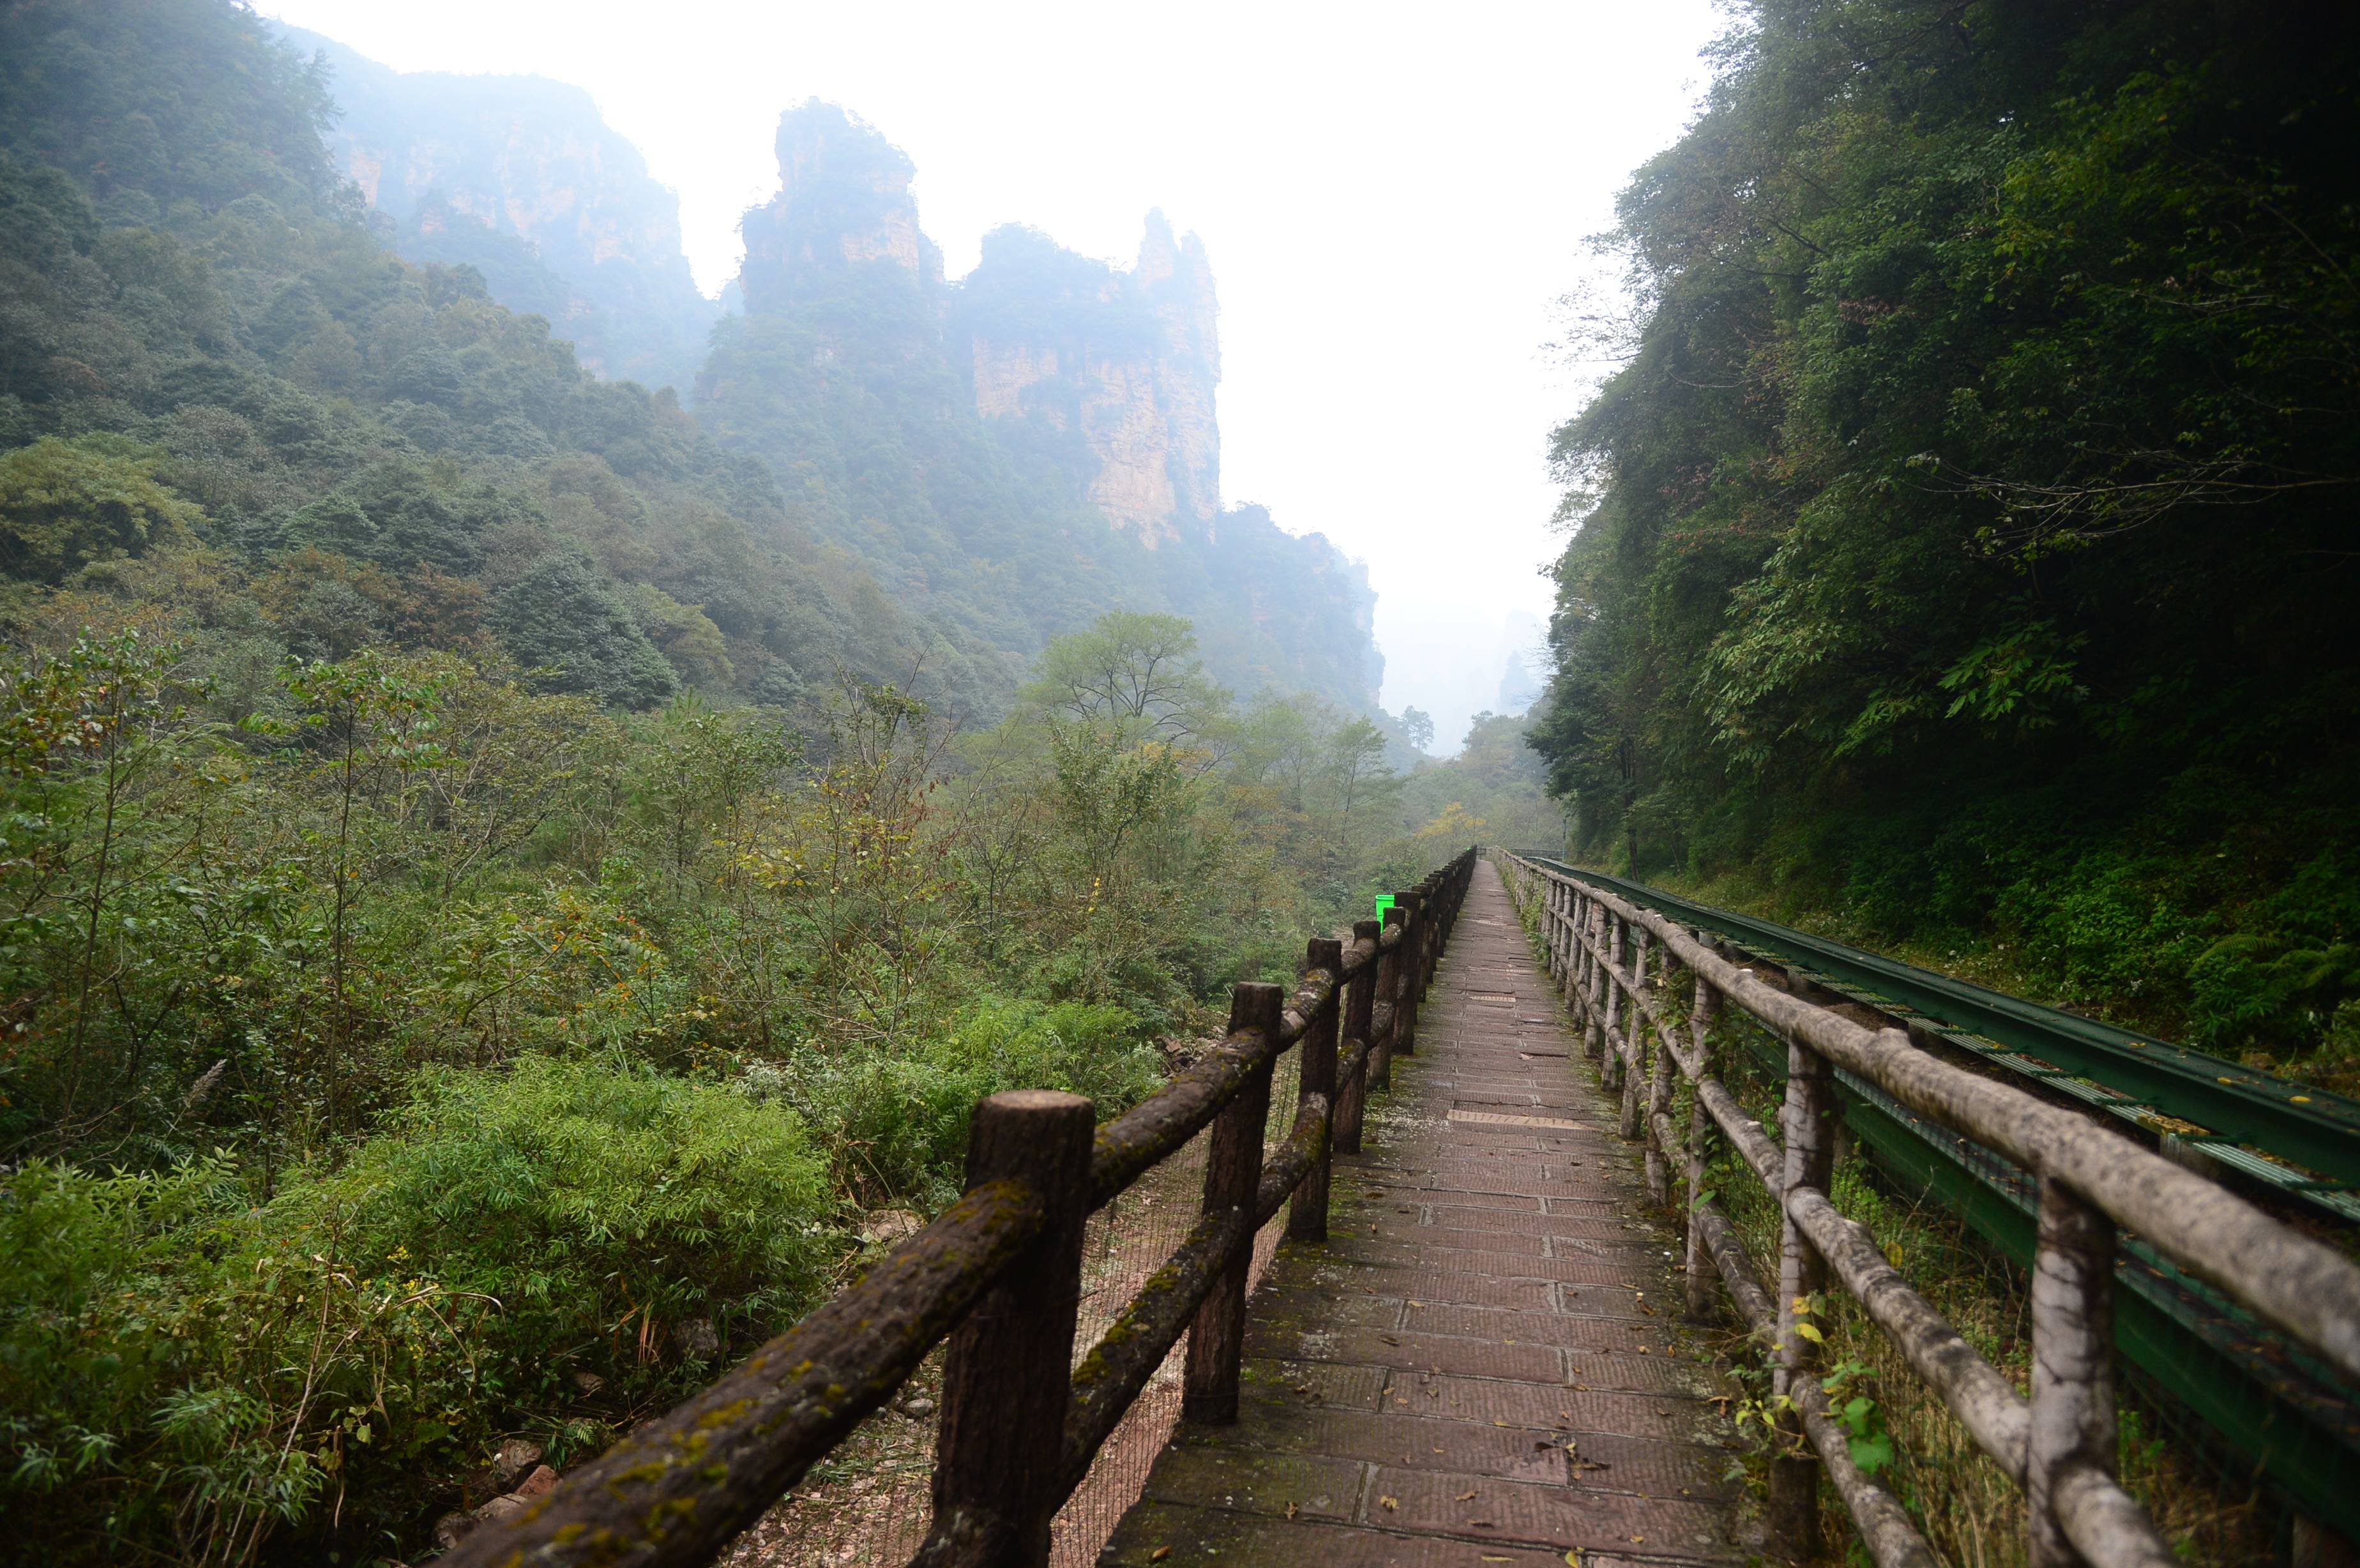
(1129, 360)
(519, 176)
(1015, 451)
(843, 200)
(1122, 365)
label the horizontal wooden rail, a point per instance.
(680, 1489)
(998, 1274)
(2058, 1446)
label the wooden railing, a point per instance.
(998, 1272)
(1614, 963)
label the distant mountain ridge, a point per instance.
(1050, 422)
(391, 335)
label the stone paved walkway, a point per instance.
(1484, 1363)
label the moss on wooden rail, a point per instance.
(679, 1489)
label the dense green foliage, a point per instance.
(1961, 553)
(494, 885)
(206, 347)
(389, 1043)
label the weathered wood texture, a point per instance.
(1485, 1363)
(1233, 1173)
(679, 1489)
(1316, 1079)
(2061, 1446)
(1005, 1378)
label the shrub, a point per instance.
(903, 1118)
(189, 1374)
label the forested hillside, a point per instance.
(499, 887)
(1963, 555)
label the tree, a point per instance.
(65, 504)
(1138, 674)
(1417, 728)
(561, 622)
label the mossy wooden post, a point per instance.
(1699, 1151)
(1561, 936)
(1617, 935)
(1360, 1007)
(2072, 1363)
(1594, 1039)
(1584, 917)
(1635, 1031)
(1407, 993)
(1547, 928)
(1007, 1373)
(1437, 903)
(1232, 1172)
(1306, 1217)
(1807, 1125)
(1389, 970)
(1659, 1110)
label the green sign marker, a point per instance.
(1384, 902)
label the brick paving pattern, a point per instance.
(1483, 1364)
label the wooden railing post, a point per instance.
(1306, 1218)
(1232, 1172)
(1700, 1274)
(2072, 1363)
(1549, 944)
(1389, 969)
(1558, 942)
(1617, 937)
(1438, 895)
(1808, 1128)
(1360, 1007)
(1405, 974)
(1634, 1037)
(1593, 983)
(1007, 1373)
(1659, 1104)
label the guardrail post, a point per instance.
(1700, 1272)
(1568, 950)
(1232, 1172)
(1659, 1103)
(1359, 1006)
(1594, 1044)
(1405, 973)
(1007, 1373)
(1306, 1217)
(2072, 1363)
(1616, 938)
(1808, 1126)
(1635, 1035)
(1380, 1064)
(1558, 941)
(1438, 906)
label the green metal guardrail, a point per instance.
(2302, 1141)
(2271, 1405)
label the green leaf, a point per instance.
(1873, 1453)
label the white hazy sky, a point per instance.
(1394, 200)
